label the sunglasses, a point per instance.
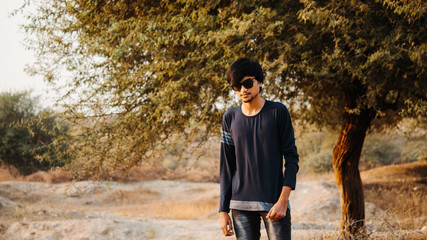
(248, 83)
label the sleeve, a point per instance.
(227, 165)
(288, 148)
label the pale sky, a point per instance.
(14, 57)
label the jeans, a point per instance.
(247, 225)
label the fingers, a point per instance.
(227, 230)
(269, 214)
(274, 215)
(224, 229)
(226, 225)
(231, 227)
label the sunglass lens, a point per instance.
(248, 83)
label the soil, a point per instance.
(165, 209)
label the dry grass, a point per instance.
(406, 200)
(127, 197)
(389, 234)
(5, 175)
(401, 191)
(405, 204)
(189, 209)
(52, 176)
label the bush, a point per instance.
(320, 162)
(30, 139)
(380, 150)
(315, 150)
(393, 146)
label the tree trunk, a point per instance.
(346, 158)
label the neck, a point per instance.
(253, 107)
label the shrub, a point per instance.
(320, 162)
(30, 139)
(393, 146)
(380, 151)
(315, 150)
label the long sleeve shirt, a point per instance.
(251, 159)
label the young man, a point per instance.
(255, 138)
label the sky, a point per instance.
(14, 57)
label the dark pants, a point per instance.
(247, 225)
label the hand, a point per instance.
(278, 211)
(226, 224)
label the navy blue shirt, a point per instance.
(252, 151)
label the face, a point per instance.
(248, 93)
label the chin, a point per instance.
(248, 100)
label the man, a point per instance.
(255, 137)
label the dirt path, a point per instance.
(146, 210)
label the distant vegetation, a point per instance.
(34, 139)
(404, 144)
(31, 138)
(394, 146)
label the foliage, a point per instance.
(373, 51)
(30, 140)
(141, 71)
(396, 146)
(315, 150)
(404, 144)
(379, 153)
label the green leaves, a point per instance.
(30, 140)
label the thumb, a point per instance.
(268, 214)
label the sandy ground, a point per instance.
(148, 210)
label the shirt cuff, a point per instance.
(291, 170)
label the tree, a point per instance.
(30, 140)
(146, 70)
(372, 57)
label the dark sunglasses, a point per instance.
(248, 83)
